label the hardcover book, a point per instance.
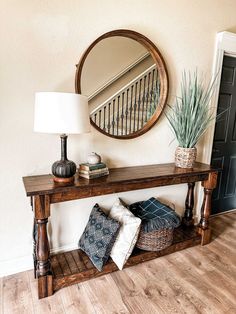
(90, 167)
(93, 176)
(97, 171)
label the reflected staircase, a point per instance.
(129, 109)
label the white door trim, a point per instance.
(225, 45)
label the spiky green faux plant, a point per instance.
(191, 115)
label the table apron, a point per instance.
(79, 193)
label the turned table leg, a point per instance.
(34, 247)
(204, 226)
(189, 204)
(34, 236)
(44, 275)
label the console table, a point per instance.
(56, 271)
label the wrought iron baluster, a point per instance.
(131, 109)
(156, 79)
(147, 95)
(135, 104)
(95, 118)
(122, 113)
(127, 111)
(155, 96)
(118, 115)
(139, 102)
(113, 116)
(152, 95)
(143, 98)
(104, 118)
(153, 73)
(153, 83)
(109, 118)
(100, 118)
(157, 86)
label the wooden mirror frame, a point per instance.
(161, 67)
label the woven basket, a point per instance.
(185, 157)
(155, 240)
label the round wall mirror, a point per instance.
(125, 78)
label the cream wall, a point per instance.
(41, 41)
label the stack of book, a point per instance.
(90, 171)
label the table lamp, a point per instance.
(61, 113)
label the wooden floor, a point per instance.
(196, 280)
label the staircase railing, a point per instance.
(119, 75)
(131, 107)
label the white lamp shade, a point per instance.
(61, 113)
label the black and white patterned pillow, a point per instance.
(99, 236)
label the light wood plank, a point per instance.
(17, 294)
(228, 218)
(134, 291)
(225, 239)
(213, 298)
(105, 289)
(185, 300)
(75, 300)
(218, 271)
(52, 304)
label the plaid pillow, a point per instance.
(160, 215)
(99, 236)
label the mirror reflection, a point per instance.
(121, 80)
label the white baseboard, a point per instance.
(64, 248)
(223, 213)
(16, 265)
(23, 263)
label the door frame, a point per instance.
(225, 45)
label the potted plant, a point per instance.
(190, 117)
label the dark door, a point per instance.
(224, 147)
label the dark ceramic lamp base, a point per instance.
(63, 170)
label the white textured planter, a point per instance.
(185, 157)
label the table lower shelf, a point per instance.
(74, 266)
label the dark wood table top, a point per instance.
(162, 174)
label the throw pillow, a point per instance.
(99, 236)
(128, 233)
(161, 215)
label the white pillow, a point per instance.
(128, 233)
